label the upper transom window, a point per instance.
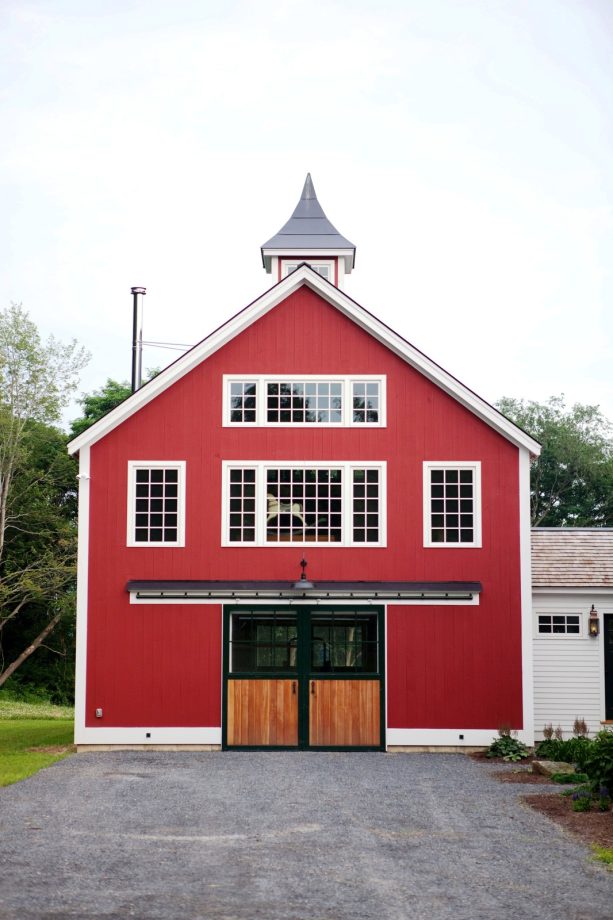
(305, 400)
(156, 503)
(452, 504)
(327, 503)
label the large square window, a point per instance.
(452, 504)
(156, 503)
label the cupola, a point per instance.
(308, 236)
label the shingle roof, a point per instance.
(572, 557)
(308, 227)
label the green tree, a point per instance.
(571, 482)
(97, 404)
(37, 487)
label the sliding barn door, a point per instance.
(303, 678)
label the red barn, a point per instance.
(304, 533)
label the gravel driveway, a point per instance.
(286, 835)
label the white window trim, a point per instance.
(314, 263)
(475, 466)
(347, 382)
(260, 466)
(559, 613)
(180, 466)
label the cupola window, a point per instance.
(325, 268)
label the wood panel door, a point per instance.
(262, 713)
(344, 713)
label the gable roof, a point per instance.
(308, 228)
(572, 557)
(305, 276)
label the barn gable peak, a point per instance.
(308, 236)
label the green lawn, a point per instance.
(21, 735)
(11, 708)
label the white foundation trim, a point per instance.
(146, 736)
(82, 589)
(445, 737)
(525, 565)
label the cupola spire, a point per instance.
(308, 236)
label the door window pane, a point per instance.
(263, 641)
(344, 642)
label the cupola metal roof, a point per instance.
(307, 229)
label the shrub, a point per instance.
(548, 732)
(558, 733)
(507, 747)
(582, 800)
(604, 798)
(598, 763)
(573, 750)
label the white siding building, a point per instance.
(572, 572)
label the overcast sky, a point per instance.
(464, 146)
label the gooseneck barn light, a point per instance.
(303, 583)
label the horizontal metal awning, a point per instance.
(331, 590)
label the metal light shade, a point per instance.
(593, 623)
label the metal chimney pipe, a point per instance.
(137, 337)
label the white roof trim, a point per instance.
(336, 298)
(575, 590)
(347, 254)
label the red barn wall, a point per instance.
(161, 665)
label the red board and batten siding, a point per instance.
(447, 666)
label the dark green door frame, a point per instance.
(607, 638)
(303, 673)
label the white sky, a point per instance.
(464, 146)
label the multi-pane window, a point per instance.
(452, 504)
(366, 398)
(243, 397)
(340, 503)
(366, 506)
(322, 268)
(567, 624)
(303, 503)
(242, 505)
(304, 401)
(156, 503)
(263, 641)
(342, 642)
